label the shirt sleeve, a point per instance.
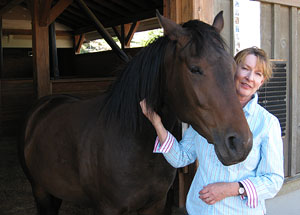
(269, 175)
(178, 154)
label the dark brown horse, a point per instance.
(99, 151)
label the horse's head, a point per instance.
(200, 87)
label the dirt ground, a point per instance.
(15, 191)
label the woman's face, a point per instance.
(248, 78)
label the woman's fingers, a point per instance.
(144, 108)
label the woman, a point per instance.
(241, 188)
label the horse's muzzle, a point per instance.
(234, 148)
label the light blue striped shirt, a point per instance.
(261, 173)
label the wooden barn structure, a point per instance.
(40, 39)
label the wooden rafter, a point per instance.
(48, 14)
(126, 33)
(129, 32)
(9, 6)
(100, 28)
(58, 9)
(78, 40)
(29, 32)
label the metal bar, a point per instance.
(116, 32)
(122, 37)
(53, 52)
(103, 32)
(1, 48)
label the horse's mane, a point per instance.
(139, 79)
(142, 78)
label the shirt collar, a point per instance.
(250, 106)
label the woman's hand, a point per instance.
(153, 117)
(213, 193)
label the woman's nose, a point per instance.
(250, 75)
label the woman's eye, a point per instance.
(196, 70)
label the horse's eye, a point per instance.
(196, 70)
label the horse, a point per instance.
(99, 151)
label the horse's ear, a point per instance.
(219, 22)
(171, 29)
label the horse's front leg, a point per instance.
(157, 208)
(105, 210)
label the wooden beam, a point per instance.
(7, 32)
(44, 8)
(48, 14)
(103, 32)
(126, 34)
(10, 6)
(130, 29)
(293, 88)
(290, 3)
(103, 11)
(205, 10)
(182, 11)
(78, 40)
(40, 49)
(109, 5)
(276, 32)
(58, 9)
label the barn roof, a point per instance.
(110, 13)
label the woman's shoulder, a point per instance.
(265, 116)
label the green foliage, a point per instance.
(140, 39)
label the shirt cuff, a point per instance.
(166, 146)
(252, 201)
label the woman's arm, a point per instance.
(178, 154)
(269, 174)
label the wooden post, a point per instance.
(293, 85)
(182, 11)
(40, 50)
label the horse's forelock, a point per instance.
(203, 35)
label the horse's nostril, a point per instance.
(232, 143)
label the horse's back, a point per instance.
(49, 146)
(41, 110)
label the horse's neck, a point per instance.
(168, 117)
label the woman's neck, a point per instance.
(244, 100)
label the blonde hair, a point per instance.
(263, 61)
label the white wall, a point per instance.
(287, 201)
